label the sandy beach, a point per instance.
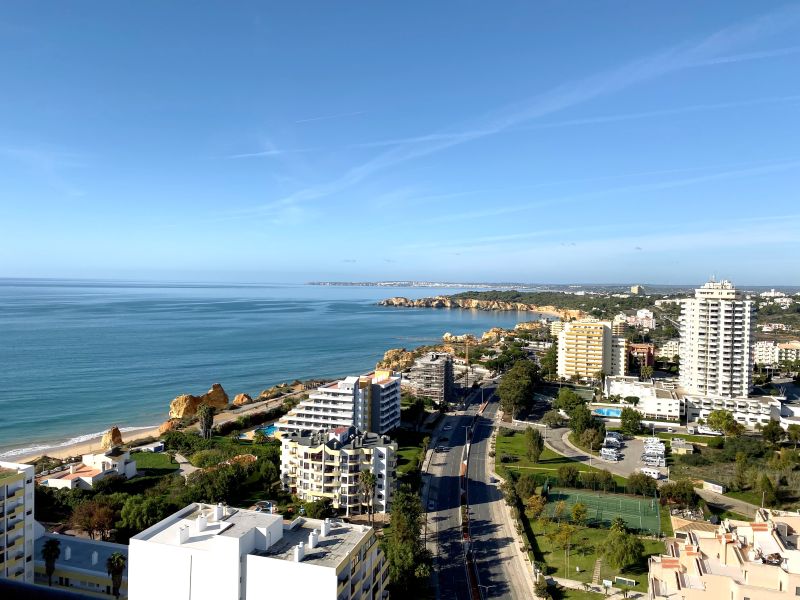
(129, 437)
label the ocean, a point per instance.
(77, 357)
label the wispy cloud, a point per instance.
(329, 117)
(600, 119)
(714, 49)
(271, 152)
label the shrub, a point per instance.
(207, 458)
(694, 460)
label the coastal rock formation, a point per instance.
(242, 399)
(494, 334)
(448, 302)
(529, 325)
(186, 405)
(449, 338)
(168, 425)
(396, 359)
(111, 438)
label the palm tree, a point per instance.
(115, 565)
(205, 416)
(366, 486)
(50, 553)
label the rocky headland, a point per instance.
(449, 302)
(186, 405)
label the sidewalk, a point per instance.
(508, 519)
(732, 504)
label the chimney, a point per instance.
(68, 553)
(183, 534)
(326, 528)
(299, 552)
(94, 557)
(312, 539)
(71, 469)
(202, 522)
(218, 512)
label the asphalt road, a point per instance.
(443, 502)
(500, 571)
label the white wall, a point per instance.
(268, 579)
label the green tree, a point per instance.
(549, 361)
(646, 371)
(517, 387)
(526, 486)
(793, 433)
(631, 421)
(621, 549)
(722, 420)
(552, 418)
(568, 475)
(51, 551)
(632, 400)
(534, 444)
(641, 484)
(592, 439)
(580, 419)
(366, 486)
(409, 561)
(535, 506)
(205, 417)
(773, 433)
(559, 509)
(115, 566)
(619, 525)
(767, 490)
(259, 437)
(567, 400)
(740, 474)
(579, 513)
(140, 512)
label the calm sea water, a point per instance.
(78, 356)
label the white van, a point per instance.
(654, 473)
(706, 430)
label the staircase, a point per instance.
(596, 573)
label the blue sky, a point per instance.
(513, 141)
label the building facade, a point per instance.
(658, 400)
(669, 349)
(91, 469)
(207, 552)
(81, 566)
(640, 355)
(587, 347)
(788, 352)
(766, 353)
(370, 403)
(328, 465)
(717, 342)
(16, 521)
(736, 560)
(432, 376)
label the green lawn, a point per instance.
(409, 444)
(666, 521)
(583, 554)
(154, 460)
(750, 496)
(726, 514)
(570, 594)
(549, 461)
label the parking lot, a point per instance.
(631, 454)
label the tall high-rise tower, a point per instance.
(717, 341)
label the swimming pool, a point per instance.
(608, 412)
(269, 430)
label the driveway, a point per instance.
(185, 467)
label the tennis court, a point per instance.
(639, 513)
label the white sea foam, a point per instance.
(76, 440)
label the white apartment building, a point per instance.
(766, 353)
(717, 338)
(669, 349)
(91, 469)
(16, 521)
(772, 294)
(587, 347)
(556, 327)
(370, 402)
(736, 560)
(328, 465)
(748, 411)
(658, 399)
(207, 552)
(789, 351)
